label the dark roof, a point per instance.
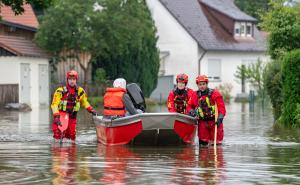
(208, 31)
(20, 46)
(228, 8)
(19, 26)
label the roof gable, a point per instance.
(207, 31)
(27, 18)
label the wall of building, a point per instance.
(10, 74)
(229, 63)
(174, 39)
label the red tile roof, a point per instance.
(21, 46)
(27, 18)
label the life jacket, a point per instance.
(70, 102)
(206, 107)
(113, 102)
(180, 101)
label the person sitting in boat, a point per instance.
(117, 102)
(205, 100)
(180, 96)
(68, 99)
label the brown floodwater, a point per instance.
(254, 152)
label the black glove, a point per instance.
(56, 120)
(192, 113)
(219, 120)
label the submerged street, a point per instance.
(253, 153)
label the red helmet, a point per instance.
(72, 74)
(182, 78)
(201, 78)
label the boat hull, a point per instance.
(147, 129)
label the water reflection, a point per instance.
(185, 161)
(213, 165)
(64, 163)
(117, 160)
(68, 165)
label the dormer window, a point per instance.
(243, 29)
(249, 30)
(237, 29)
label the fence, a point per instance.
(9, 93)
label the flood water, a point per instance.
(253, 153)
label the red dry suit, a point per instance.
(178, 100)
(205, 102)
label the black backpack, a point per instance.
(136, 95)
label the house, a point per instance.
(211, 37)
(24, 74)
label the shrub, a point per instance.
(291, 88)
(225, 90)
(273, 85)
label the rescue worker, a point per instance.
(180, 96)
(117, 102)
(68, 99)
(205, 101)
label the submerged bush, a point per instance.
(291, 89)
(273, 85)
(225, 90)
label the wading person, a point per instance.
(117, 102)
(180, 96)
(69, 99)
(205, 100)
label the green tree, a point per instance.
(291, 89)
(134, 55)
(66, 31)
(17, 5)
(255, 74)
(273, 86)
(241, 74)
(119, 35)
(283, 25)
(253, 8)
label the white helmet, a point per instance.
(120, 82)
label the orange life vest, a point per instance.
(113, 102)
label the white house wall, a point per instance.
(9, 70)
(173, 38)
(10, 74)
(229, 63)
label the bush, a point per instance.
(273, 86)
(96, 101)
(225, 90)
(291, 88)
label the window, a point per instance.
(237, 28)
(249, 30)
(214, 69)
(243, 29)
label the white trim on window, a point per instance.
(243, 29)
(249, 30)
(237, 29)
